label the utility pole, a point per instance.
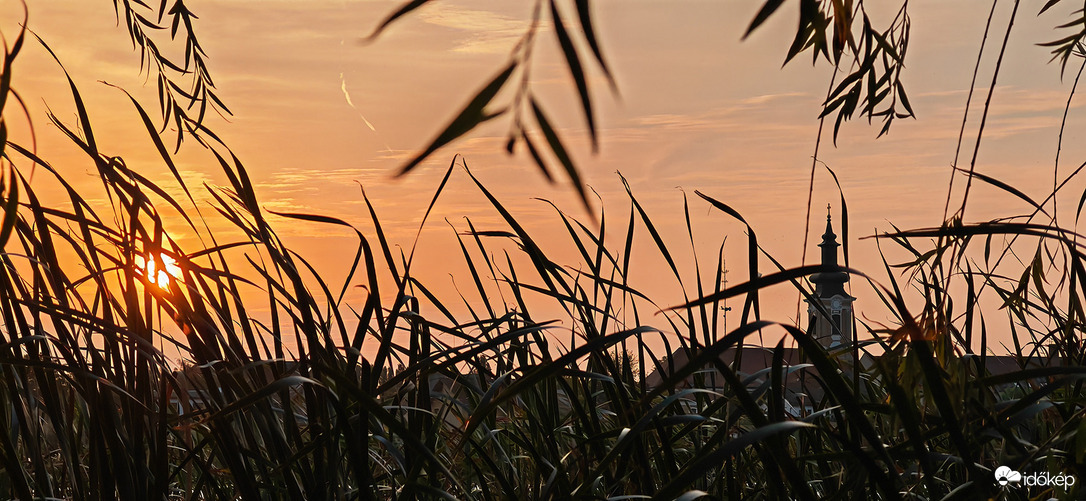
(724, 307)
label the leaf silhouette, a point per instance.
(472, 115)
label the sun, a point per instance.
(160, 277)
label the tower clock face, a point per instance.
(836, 303)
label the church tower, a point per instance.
(834, 332)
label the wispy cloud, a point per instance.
(768, 98)
(487, 32)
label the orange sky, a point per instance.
(699, 109)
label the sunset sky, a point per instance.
(698, 108)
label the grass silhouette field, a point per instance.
(283, 404)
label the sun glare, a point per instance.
(160, 277)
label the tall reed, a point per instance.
(278, 401)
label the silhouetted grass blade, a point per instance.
(473, 114)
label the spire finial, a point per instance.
(829, 236)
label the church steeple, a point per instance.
(829, 243)
(835, 331)
(829, 283)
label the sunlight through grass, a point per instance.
(159, 274)
(277, 399)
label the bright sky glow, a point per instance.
(698, 109)
(161, 276)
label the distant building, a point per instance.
(830, 314)
(830, 322)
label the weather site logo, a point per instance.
(1005, 476)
